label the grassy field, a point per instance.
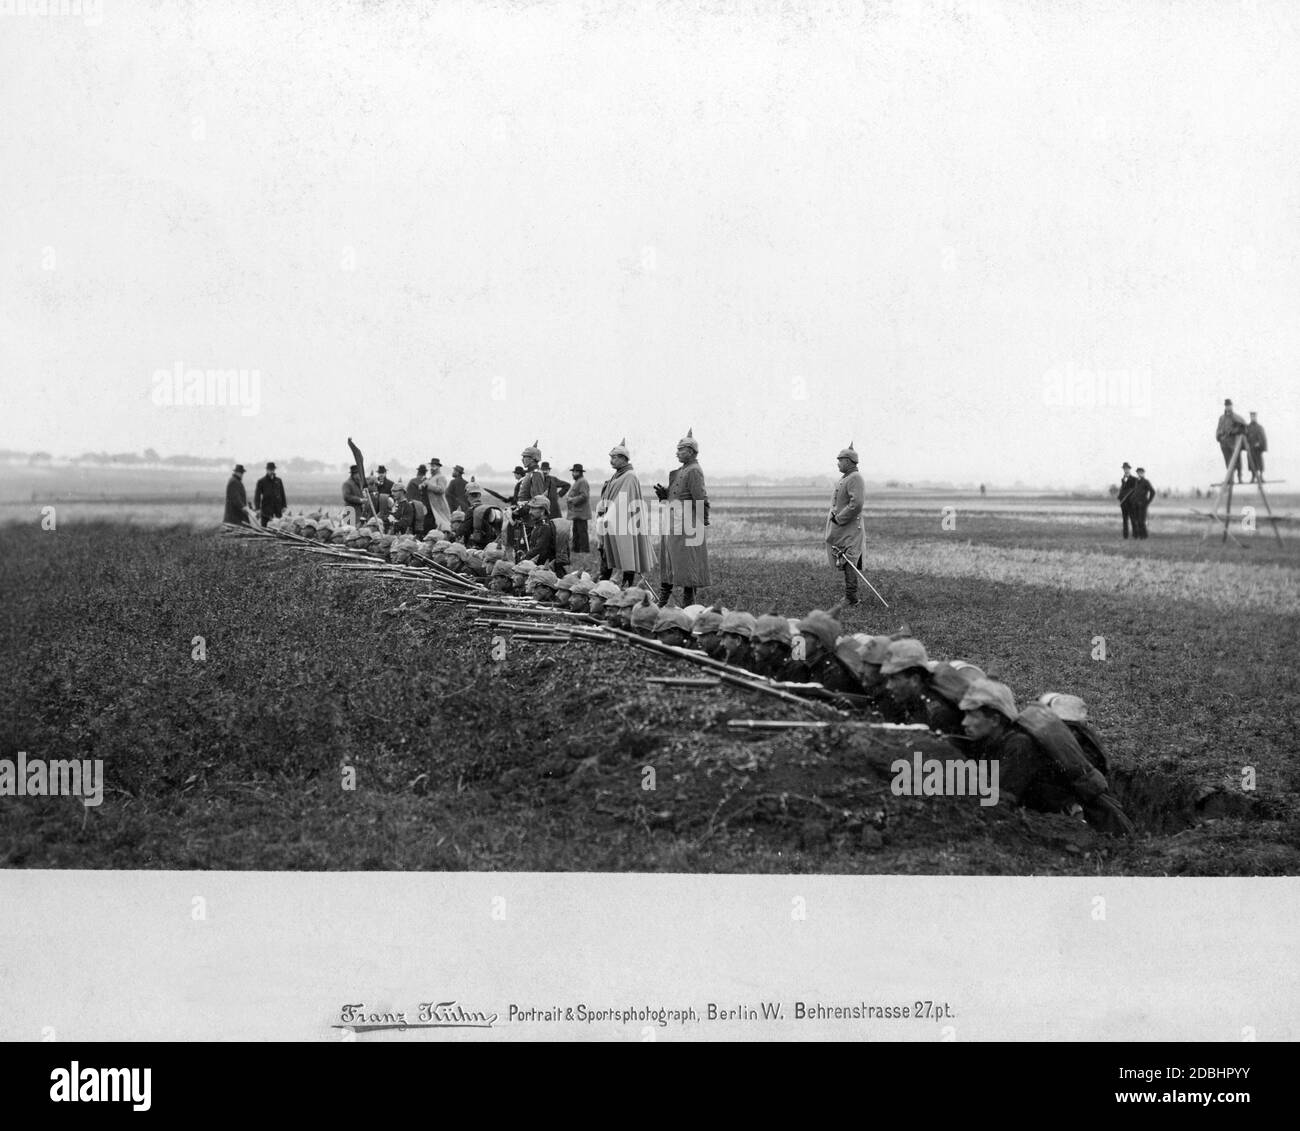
(539, 762)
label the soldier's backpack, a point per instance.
(1056, 740)
(1090, 741)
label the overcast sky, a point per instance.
(451, 229)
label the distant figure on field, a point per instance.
(1143, 493)
(268, 495)
(845, 534)
(1127, 482)
(1230, 426)
(1256, 446)
(982, 491)
(237, 498)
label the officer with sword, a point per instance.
(846, 534)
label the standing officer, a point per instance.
(621, 521)
(845, 534)
(683, 554)
(534, 481)
(1126, 484)
(1229, 427)
(1256, 446)
(383, 485)
(1143, 493)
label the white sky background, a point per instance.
(628, 220)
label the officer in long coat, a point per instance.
(268, 496)
(621, 521)
(683, 552)
(236, 497)
(845, 534)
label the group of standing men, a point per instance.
(1228, 431)
(269, 499)
(1135, 495)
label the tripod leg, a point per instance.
(1259, 483)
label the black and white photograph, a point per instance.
(804, 489)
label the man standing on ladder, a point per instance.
(1230, 426)
(1256, 446)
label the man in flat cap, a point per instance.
(577, 501)
(845, 533)
(237, 498)
(1256, 446)
(621, 519)
(683, 553)
(1230, 426)
(268, 495)
(1126, 484)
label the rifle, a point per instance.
(819, 724)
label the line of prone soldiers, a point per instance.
(1050, 757)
